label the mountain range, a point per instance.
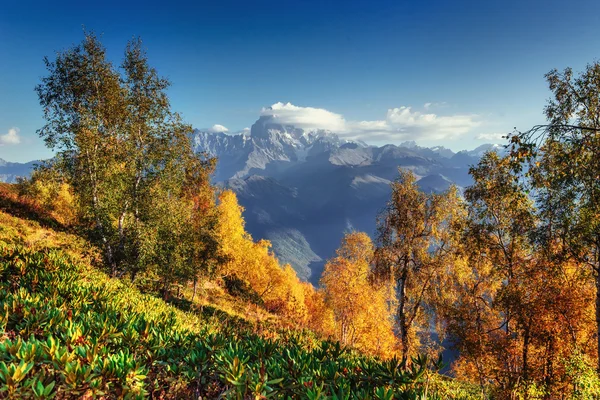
(10, 172)
(303, 189)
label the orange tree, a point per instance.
(562, 163)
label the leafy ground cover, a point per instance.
(69, 331)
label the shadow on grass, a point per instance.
(20, 207)
(207, 312)
(181, 303)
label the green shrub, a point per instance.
(68, 331)
(580, 371)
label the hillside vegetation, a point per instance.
(70, 331)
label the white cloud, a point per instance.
(10, 138)
(491, 136)
(400, 123)
(217, 128)
(304, 117)
(431, 126)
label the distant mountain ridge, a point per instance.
(302, 189)
(10, 172)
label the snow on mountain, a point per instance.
(409, 144)
(268, 148)
(484, 148)
(303, 188)
(442, 151)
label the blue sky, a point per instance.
(366, 68)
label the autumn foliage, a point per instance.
(278, 287)
(362, 308)
(516, 311)
(506, 273)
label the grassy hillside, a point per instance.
(69, 331)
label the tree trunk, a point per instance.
(401, 316)
(165, 291)
(404, 342)
(551, 352)
(108, 251)
(132, 275)
(194, 291)
(526, 339)
(597, 277)
(121, 229)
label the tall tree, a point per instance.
(562, 161)
(415, 238)
(498, 250)
(84, 107)
(508, 304)
(126, 155)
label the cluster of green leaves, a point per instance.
(125, 163)
(70, 331)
